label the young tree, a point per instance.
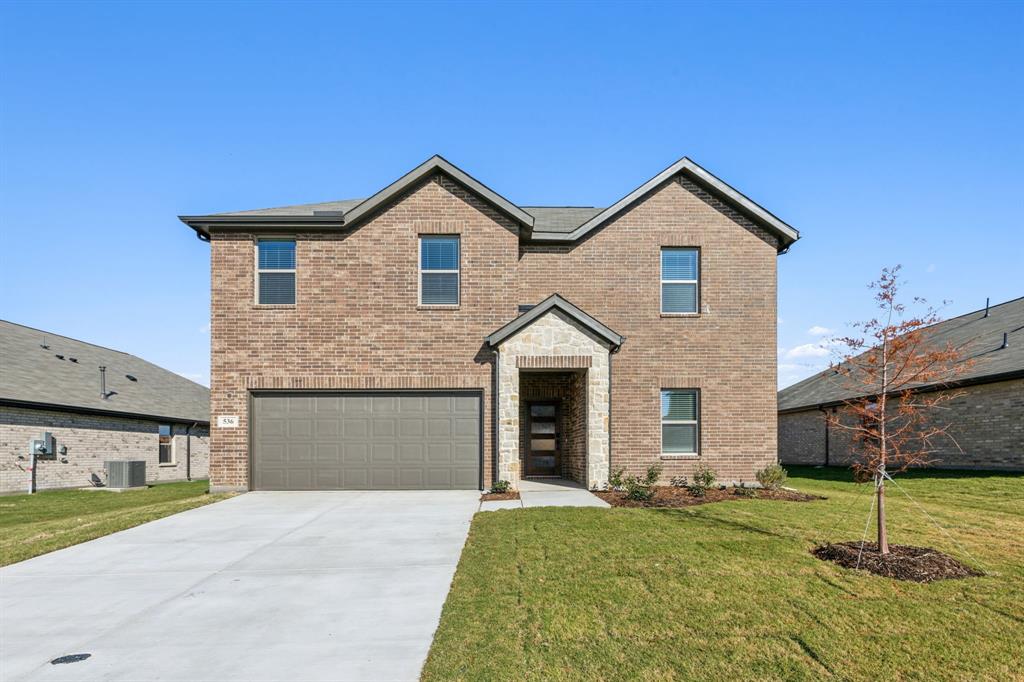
(894, 426)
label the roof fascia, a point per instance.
(438, 163)
(57, 407)
(786, 233)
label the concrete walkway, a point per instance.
(265, 586)
(547, 492)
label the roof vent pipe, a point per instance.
(103, 382)
(1006, 341)
(986, 308)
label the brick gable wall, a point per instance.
(728, 351)
(356, 323)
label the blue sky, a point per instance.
(885, 133)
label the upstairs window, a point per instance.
(166, 440)
(439, 270)
(680, 421)
(275, 271)
(679, 277)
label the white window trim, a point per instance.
(694, 282)
(174, 459)
(457, 271)
(258, 270)
(695, 422)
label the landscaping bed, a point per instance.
(669, 496)
(511, 495)
(903, 562)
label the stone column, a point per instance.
(598, 436)
(508, 419)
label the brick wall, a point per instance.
(91, 440)
(356, 323)
(987, 423)
(728, 351)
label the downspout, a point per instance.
(188, 450)
(824, 413)
(495, 417)
(612, 352)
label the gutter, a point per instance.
(30, 405)
(188, 450)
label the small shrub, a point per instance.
(772, 477)
(501, 487)
(615, 480)
(703, 478)
(641, 489)
(743, 491)
(679, 482)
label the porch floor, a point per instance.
(547, 492)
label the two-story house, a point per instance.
(436, 335)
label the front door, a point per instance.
(543, 441)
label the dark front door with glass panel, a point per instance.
(543, 442)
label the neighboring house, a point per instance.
(436, 335)
(986, 417)
(99, 404)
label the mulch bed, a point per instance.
(499, 496)
(672, 496)
(918, 564)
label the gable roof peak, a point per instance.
(556, 302)
(433, 164)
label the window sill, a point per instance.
(680, 314)
(168, 464)
(437, 307)
(273, 306)
(680, 455)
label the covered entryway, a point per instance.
(554, 355)
(366, 441)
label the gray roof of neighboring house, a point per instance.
(981, 336)
(541, 223)
(31, 374)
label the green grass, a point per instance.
(730, 591)
(31, 525)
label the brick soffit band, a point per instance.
(554, 361)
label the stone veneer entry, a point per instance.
(553, 336)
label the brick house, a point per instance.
(98, 404)
(986, 416)
(436, 335)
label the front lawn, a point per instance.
(731, 591)
(31, 525)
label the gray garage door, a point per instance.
(408, 441)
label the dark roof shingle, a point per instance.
(30, 373)
(982, 335)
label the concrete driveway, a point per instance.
(265, 586)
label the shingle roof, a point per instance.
(30, 373)
(542, 223)
(300, 209)
(562, 219)
(982, 335)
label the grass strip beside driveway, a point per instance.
(730, 590)
(31, 525)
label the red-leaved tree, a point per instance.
(895, 425)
